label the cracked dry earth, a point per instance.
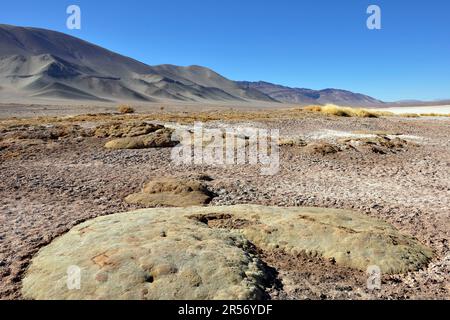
(47, 187)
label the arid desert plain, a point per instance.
(235, 233)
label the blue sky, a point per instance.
(314, 44)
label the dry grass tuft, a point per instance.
(347, 111)
(125, 109)
(410, 115)
(434, 115)
(313, 108)
(322, 148)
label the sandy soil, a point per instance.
(61, 108)
(48, 187)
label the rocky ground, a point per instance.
(395, 169)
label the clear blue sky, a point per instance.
(314, 44)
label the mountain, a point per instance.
(48, 64)
(39, 63)
(307, 96)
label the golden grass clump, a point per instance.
(313, 108)
(435, 115)
(125, 109)
(410, 115)
(347, 111)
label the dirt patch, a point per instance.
(322, 148)
(378, 145)
(300, 275)
(223, 221)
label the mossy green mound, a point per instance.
(171, 192)
(207, 252)
(159, 139)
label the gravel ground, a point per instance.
(47, 188)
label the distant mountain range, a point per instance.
(45, 64)
(308, 96)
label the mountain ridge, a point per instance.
(42, 63)
(33, 60)
(309, 96)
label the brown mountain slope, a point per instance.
(37, 62)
